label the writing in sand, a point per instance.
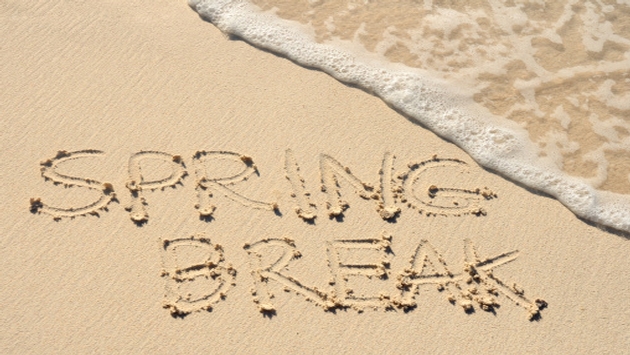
(401, 189)
(197, 275)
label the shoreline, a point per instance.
(160, 79)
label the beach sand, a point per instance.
(86, 88)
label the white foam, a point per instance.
(498, 144)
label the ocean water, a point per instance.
(536, 90)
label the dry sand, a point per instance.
(123, 77)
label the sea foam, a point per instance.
(456, 81)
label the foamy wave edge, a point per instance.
(496, 144)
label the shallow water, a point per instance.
(536, 90)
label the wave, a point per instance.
(494, 85)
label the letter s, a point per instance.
(49, 172)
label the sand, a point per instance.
(144, 112)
